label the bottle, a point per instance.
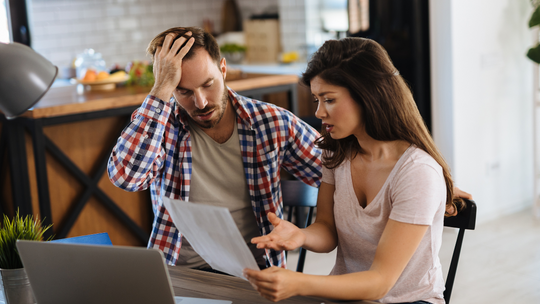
(87, 61)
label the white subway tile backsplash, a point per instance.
(58, 29)
(71, 41)
(115, 10)
(44, 16)
(94, 39)
(136, 10)
(105, 25)
(93, 13)
(159, 9)
(68, 15)
(44, 45)
(122, 29)
(82, 27)
(117, 37)
(128, 23)
(61, 57)
(126, 1)
(136, 36)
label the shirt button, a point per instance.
(145, 135)
(158, 110)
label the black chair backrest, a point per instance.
(464, 220)
(297, 197)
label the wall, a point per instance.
(482, 99)
(119, 29)
(293, 25)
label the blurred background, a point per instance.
(464, 60)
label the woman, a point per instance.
(384, 191)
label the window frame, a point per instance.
(18, 21)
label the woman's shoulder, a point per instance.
(417, 158)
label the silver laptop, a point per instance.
(74, 273)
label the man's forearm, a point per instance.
(137, 156)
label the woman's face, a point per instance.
(340, 114)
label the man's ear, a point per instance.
(223, 67)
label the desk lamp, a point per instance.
(25, 76)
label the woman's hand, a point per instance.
(458, 193)
(285, 236)
(274, 283)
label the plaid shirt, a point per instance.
(155, 150)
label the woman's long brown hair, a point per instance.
(388, 109)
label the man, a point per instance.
(195, 139)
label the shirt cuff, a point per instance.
(155, 109)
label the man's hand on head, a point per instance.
(168, 65)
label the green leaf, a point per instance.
(535, 18)
(18, 228)
(534, 53)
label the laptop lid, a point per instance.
(73, 273)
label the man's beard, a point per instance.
(212, 123)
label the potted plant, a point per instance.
(233, 53)
(14, 282)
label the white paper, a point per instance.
(212, 233)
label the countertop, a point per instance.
(296, 68)
(69, 99)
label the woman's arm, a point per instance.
(396, 247)
(319, 237)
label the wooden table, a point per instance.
(70, 172)
(199, 284)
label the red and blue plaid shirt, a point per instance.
(154, 151)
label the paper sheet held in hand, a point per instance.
(212, 233)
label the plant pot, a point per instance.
(16, 287)
(234, 57)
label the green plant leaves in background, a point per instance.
(535, 18)
(534, 53)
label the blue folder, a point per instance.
(91, 239)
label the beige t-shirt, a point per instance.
(414, 192)
(217, 178)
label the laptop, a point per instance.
(74, 273)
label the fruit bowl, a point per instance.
(102, 85)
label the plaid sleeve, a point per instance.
(302, 157)
(138, 156)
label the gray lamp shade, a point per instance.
(25, 76)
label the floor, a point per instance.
(499, 263)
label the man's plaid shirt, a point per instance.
(155, 150)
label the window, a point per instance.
(4, 27)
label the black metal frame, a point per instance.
(16, 151)
(298, 196)
(12, 145)
(464, 220)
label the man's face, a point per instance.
(202, 93)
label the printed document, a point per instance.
(212, 233)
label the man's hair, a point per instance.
(388, 110)
(203, 40)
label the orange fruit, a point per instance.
(102, 75)
(90, 75)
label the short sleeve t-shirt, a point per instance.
(415, 193)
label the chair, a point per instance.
(92, 239)
(465, 219)
(296, 197)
